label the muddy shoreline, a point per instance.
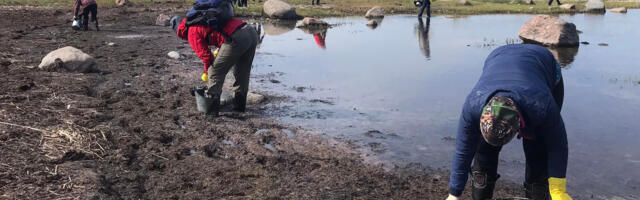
(131, 131)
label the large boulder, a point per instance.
(69, 58)
(549, 31)
(568, 6)
(375, 12)
(121, 2)
(596, 6)
(279, 10)
(163, 20)
(619, 10)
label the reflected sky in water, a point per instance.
(409, 78)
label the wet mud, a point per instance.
(131, 130)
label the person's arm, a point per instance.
(466, 146)
(76, 9)
(555, 139)
(200, 45)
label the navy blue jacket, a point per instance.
(527, 74)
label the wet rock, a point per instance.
(585, 43)
(312, 22)
(173, 55)
(463, 3)
(70, 58)
(300, 89)
(595, 6)
(549, 31)
(568, 6)
(372, 23)
(254, 98)
(603, 44)
(379, 135)
(230, 143)
(376, 147)
(619, 10)
(212, 150)
(448, 138)
(321, 101)
(163, 20)
(375, 12)
(121, 2)
(227, 98)
(277, 9)
(274, 81)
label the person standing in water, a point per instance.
(425, 4)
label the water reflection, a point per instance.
(373, 23)
(422, 31)
(274, 28)
(319, 35)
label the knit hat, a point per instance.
(500, 121)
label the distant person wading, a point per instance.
(81, 11)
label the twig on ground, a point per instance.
(26, 127)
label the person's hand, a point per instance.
(204, 77)
(215, 53)
(451, 197)
(558, 189)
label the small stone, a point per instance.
(227, 142)
(254, 98)
(262, 132)
(603, 44)
(174, 55)
(111, 44)
(163, 20)
(585, 43)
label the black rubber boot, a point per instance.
(214, 106)
(239, 102)
(537, 191)
(482, 185)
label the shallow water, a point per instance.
(398, 89)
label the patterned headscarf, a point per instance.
(500, 121)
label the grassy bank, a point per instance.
(359, 7)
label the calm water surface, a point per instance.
(408, 80)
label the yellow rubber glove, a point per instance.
(558, 189)
(215, 53)
(205, 77)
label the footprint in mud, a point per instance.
(376, 134)
(376, 147)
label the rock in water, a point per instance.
(173, 55)
(568, 6)
(163, 20)
(464, 3)
(549, 31)
(375, 12)
(619, 10)
(70, 58)
(254, 98)
(121, 2)
(279, 10)
(595, 6)
(313, 22)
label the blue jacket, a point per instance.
(527, 74)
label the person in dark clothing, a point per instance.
(423, 37)
(317, 2)
(87, 7)
(551, 1)
(425, 4)
(520, 92)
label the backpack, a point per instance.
(214, 13)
